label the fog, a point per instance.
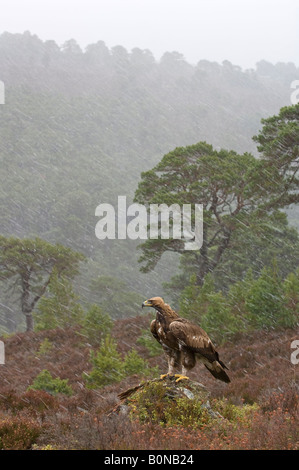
(243, 32)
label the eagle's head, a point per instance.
(162, 308)
(155, 302)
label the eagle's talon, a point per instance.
(181, 377)
(163, 376)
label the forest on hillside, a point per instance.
(78, 128)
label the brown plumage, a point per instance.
(184, 342)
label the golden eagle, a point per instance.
(183, 342)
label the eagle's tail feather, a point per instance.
(223, 365)
(217, 370)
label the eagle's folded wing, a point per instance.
(194, 338)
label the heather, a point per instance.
(259, 408)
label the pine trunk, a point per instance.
(29, 322)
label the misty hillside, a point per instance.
(78, 128)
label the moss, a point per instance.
(166, 402)
(235, 413)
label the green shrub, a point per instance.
(236, 299)
(218, 320)
(45, 381)
(235, 413)
(291, 296)
(265, 300)
(134, 364)
(109, 367)
(96, 325)
(250, 304)
(44, 347)
(209, 308)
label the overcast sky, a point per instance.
(241, 31)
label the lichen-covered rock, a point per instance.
(169, 402)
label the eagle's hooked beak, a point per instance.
(146, 303)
